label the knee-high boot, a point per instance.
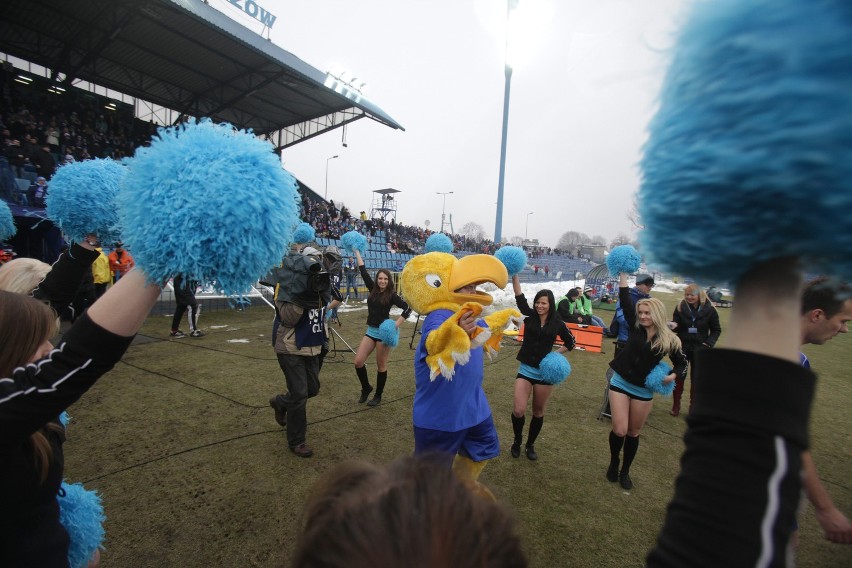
(535, 427)
(518, 427)
(381, 379)
(678, 393)
(366, 389)
(631, 446)
(615, 445)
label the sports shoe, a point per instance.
(177, 334)
(531, 452)
(302, 450)
(196, 333)
(626, 482)
(612, 472)
(364, 394)
(375, 401)
(516, 450)
(280, 412)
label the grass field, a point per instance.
(194, 471)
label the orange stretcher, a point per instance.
(587, 337)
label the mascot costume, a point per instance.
(451, 413)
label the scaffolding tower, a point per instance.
(384, 204)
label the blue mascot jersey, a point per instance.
(454, 405)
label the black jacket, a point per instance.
(740, 473)
(705, 319)
(30, 532)
(538, 342)
(638, 358)
(376, 311)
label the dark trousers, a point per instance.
(351, 284)
(181, 309)
(302, 376)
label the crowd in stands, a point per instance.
(42, 131)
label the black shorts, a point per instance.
(629, 395)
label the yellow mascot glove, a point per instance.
(497, 324)
(450, 344)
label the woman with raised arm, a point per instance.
(380, 297)
(37, 383)
(541, 328)
(648, 341)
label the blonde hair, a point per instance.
(665, 340)
(698, 291)
(22, 275)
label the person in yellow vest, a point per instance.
(101, 273)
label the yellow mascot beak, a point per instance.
(476, 269)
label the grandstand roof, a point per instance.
(187, 56)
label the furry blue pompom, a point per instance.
(82, 515)
(64, 419)
(623, 258)
(554, 368)
(304, 233)
(7, 222)
(209, 201)
(389, 333)
(513, 258)
(81, 199)
(654, 380)
(748, 155)
(438, 242)
(353, 240)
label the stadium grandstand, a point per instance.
(83, 79)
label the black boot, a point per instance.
(615, 444)
(518, 427)
(535, 427)
(366, 389)
(381, 379)
(631, 446)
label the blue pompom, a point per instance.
(7, 222)
(389, 333)
(749, 152)
(82, 515)
(208, 201)
(353, 240)
(654, 380)
(438, 242)
(304, 233)
(64, 419)
(554, 368)
(623, 258)
(513, 258)
(81, 199)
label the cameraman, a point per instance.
(300, 340)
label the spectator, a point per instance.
(37, 192)
(696, 323)
(364, 516)
(185, 302)
(120, 261)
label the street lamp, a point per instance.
(327, 160)
(498, 226)
(444, 207)
(527, 225)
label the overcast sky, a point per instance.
(583, 90)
